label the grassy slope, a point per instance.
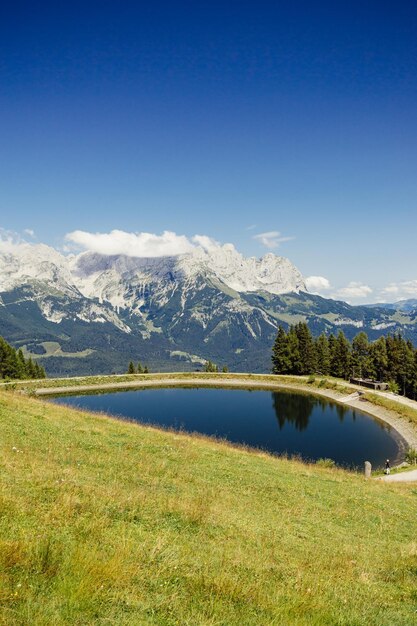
(105, 522)
(404, 411)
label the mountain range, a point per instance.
(92, 313)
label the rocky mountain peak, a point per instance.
(119, 279)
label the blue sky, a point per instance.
(224, 119)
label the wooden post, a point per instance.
(368, 469)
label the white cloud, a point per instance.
(317, 284)
(400, 291)
(271, 239)
(9, 240)
(205, 242)
(251, 227)
(132, 244)
(354, 290)
(141, 244)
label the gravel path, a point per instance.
(403, 477)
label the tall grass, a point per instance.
(106, 522)
(407, 412)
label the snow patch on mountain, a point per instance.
(121, 279)
(94, 313)
(50, 313)
(383, 325)
(90, 282)
(345, 321)
(24, 263)
(276, 275)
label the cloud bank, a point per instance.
(144, 245)
(353, 290)
(317, 284)
(132, 244)
(400, 291)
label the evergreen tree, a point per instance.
(379, 358)
(14, 365)
(306, 349)
(146, 370)
(140, 368)
(332, 353)
(131, 368)
(414, 388)
(294, 352)
(360, 358)
(323, 355)
(341, 362)
(30, 369)
(395, 355)
(408, 378)
(391, 359)
(21, 364)
(40, 371)
(281, 361)
(210, 367)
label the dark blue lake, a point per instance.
(279, 422)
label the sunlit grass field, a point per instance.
(107, 522)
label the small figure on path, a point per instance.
(387, 467)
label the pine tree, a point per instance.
(281, 362)
(341, 362)
(323, 355)
(408, 368)
(332, 353)
(414, 388)
(30, 368)
(14, 365)
(306, 349)
(379, 358)
(296, 366)
(140, 368)
(361, 363)
(22, 364)
(210, 367)
(131, 368)
(396, 361)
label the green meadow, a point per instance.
(105, 522)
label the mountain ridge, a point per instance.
(173, 312)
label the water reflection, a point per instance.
(301, 424)
(297, 409)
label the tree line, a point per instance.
(209, 366)
(139, 369)
(390, 359)
(13, 364)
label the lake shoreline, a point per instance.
(404, 432)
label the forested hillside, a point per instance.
(391, 359)
(14, 365)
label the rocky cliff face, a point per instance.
(92, 312)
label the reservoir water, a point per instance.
(279, 422)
